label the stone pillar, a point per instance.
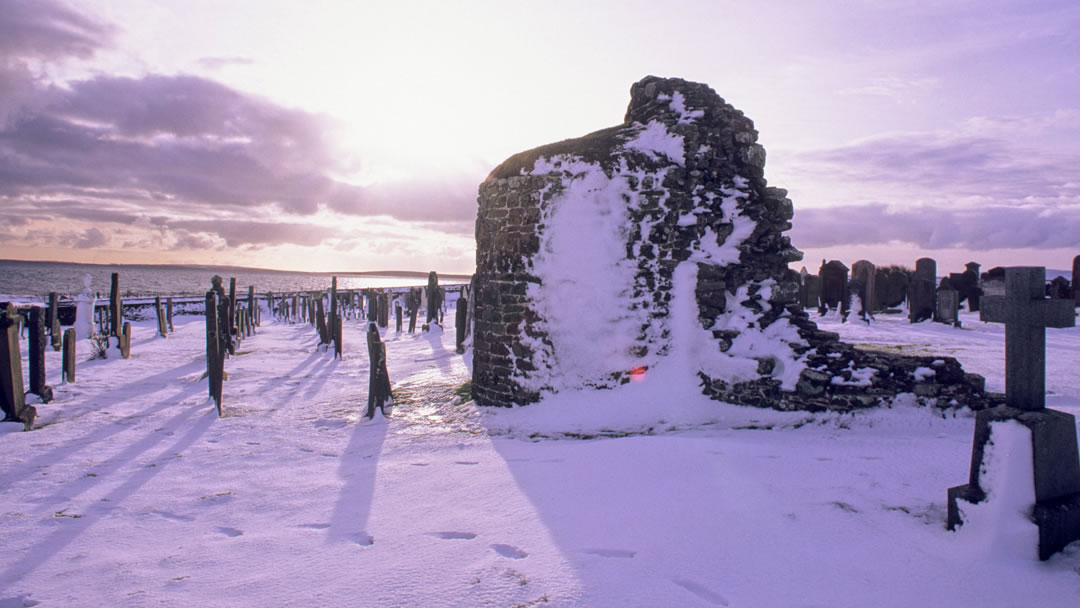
(460, 323)
(69, 356)
(12, 395)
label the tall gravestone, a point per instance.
(53, 321)
(460, 314)
(863, 287)
(215, 356)
(85, 303)
(947, 306)
(378, 378)
(69, 356)
(162, 322)
(1026, 313)
(222, 306)
(834, 286)
(970, 286)
(116, 307)
(434, 298)
(1076, 280)
(922, 291)
(36, 355)
(689, 239)
(12, 395)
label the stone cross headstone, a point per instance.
(36, 355)
(116, 307)
(12, 395)
(379, 379)
(53, 321)
(1056, 459)
(921, 298)
(69, 356)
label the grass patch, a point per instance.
(464, 391)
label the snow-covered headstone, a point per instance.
(84, 310)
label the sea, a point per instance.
(25, 280)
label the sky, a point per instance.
(352, 135)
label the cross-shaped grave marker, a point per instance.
(1055, 458)
(1026, 313)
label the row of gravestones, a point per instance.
(881, 289)
(227, 324)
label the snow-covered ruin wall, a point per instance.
(657, 243)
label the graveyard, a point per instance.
(637, 400)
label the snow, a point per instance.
(132, 492)
(655, 140)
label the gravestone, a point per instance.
(947, 308)
(116, 306)
(251, 305)
(162, 322)
(461, 313)
(232, 310)
(36, 355)
(53, 321)
(222, 306)
(1076, 280)
(12, 395)
(921, 291)
(813, 291)
(434, 298)
(1026, 313)
(85, 303)
(969, 286)
(863, 287)
(414, 307)
(69, 356)
(333, 318)
(834, 280)
(802, 287)
(215, 356)
(1059, 289)
(399, 316)
(378, 378)
(124, 341)
(169, 313)
(320, 323)
(337, 339)
(384, 310)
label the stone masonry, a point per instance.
(695, 203)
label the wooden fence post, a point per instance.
(69, 356)
(379, 379)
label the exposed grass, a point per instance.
(464, 391)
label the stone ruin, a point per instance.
(658, 242)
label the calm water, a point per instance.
(36, 279)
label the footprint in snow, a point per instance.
(623, 553)
(362, 538)
(230, 532)
(701, 591)
(314, 526)
(509, 551)
(453, 535)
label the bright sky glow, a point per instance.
(353, 135)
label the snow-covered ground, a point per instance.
(132, 492)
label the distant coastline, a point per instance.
(361, 273)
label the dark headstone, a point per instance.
(215, 356)
(320, 323)
(69, 356)
(333, 318)
(1059, 289)
(162, 322)
(52, 319)
(251, 304)
(232, 308)
(224, 336)
(337, 339)
(948, 307)
(12, 395)
(813, 291)
(863, 288)
(399, 316)
(169, 313)
(414, 307)
(833, 286)
(116, 307)
(434, 298)
(921, 291)
(459, 323)
(36, 354)
(379, 379)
